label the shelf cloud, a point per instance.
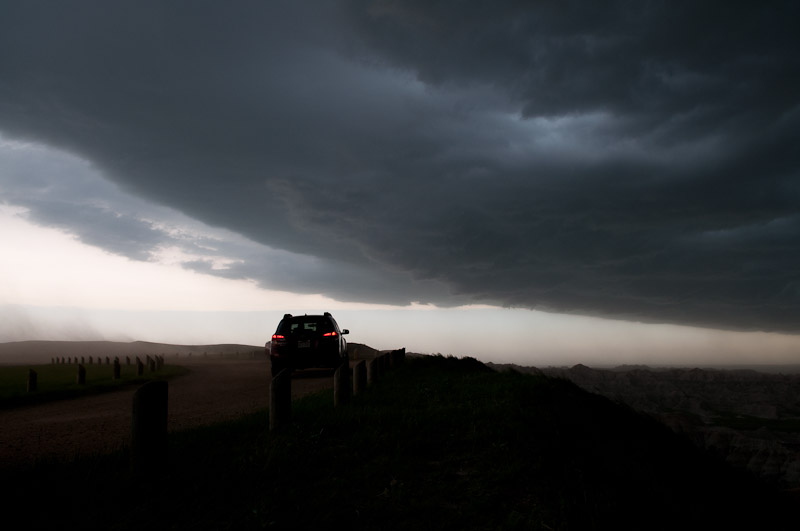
(618, 159)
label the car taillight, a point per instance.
(277, 336)
(329, 334)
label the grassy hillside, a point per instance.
(438, 444)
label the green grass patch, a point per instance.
(57, 382)
(438, 444)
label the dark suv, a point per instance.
(304, 341)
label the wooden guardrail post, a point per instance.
(116, 369)
(359, 378)
(139, 367)
(149, 427)
(372, 371)
(397, 357)
(32, 381)
(280, 400)
(341, 385)
(81, 375)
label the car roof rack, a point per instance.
(287, 315)
(327, 314)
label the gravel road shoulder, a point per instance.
(212, 391)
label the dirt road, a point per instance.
(214, 390)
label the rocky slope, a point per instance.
(750, 419)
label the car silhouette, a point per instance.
(307, 341)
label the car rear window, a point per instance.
(308, 324)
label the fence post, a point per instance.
(149, 427)
(341, 385)
(359, 378)
(116, 369)
(81, 375)
(139, 367)
(372, 371)
(280, 400)
(32, 381)
(398, 357)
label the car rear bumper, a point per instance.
(307, 358)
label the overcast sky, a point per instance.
(632, 161)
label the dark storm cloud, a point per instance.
(622, 159)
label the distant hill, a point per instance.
(38, 352)
(359, 351)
